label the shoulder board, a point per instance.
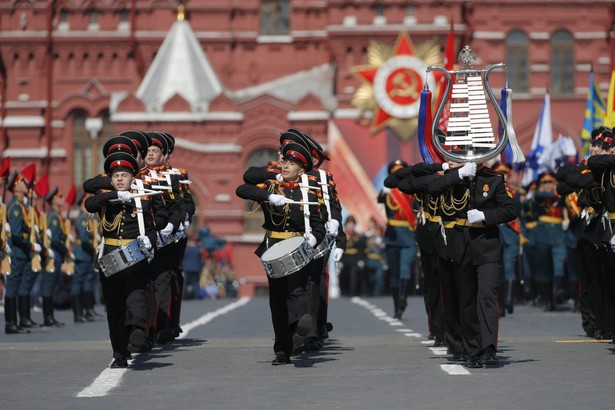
(492, 172)
(586, 171)
(262, 185)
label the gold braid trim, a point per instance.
(391, 203)
(451, 205)
(114, 225)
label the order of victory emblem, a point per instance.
(392, 83)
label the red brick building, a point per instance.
(232, 74)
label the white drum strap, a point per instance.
(139, 207)
(306, 206)
(325, 192)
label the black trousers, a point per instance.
(450, 302)
(162, 285)
(126, 301)
(478, 304)
(178, 281)
(288, 301)
(315, 302)
(432, 293)
(589, 286)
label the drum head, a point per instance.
(282, 248)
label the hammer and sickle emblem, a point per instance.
(403, 86)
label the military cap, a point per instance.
(82, 197)
(52, 194)
(121, 160)
(298, 153)
(170, 140)
(13, 180)
(141, 140)
(315, 148)
(502, 168)
(159, 141)
(395, 165)
(604, 139)
(120, 143)
(546, 176)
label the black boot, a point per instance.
(547, 296)
(49, 320)
(10, 317)
(395, 294)
(502, 291)
(24, 313)
(88, 308)
(77, 311)
(558, 291)
(91, 302)
(510, 296)
(402, 302)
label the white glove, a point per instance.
(279, 200)
(181, 227)
(279, 177)
(468, 170)
(386, 190)
(7, 249)
(37, 230)
(337, 254)
(7, 227)
(565, 224)
(71, 256)
(311, 239)
(167, 230)
(124, 196)
(51, 253)
(48, 232)
(144, 242)
(445, 166)
(475, 216)
(37, 248)
(71, 237)
(187, 222)
(332, 227)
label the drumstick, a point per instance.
(299, 203)
(139, 195)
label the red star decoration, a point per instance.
(403, 46)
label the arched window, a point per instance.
(562, 63)
(275, 16)
(253, 218)
(517, 45)
(87, 146)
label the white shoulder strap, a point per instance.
(306, 206)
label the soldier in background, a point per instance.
(20, 245)
(58, 235)
(82, 286)
(400, 243)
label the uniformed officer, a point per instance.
(57, 233)
(125, 218)
(548, 240)
(400, 243)
(474, 248)
(82, 286)
(20, 245)
(288, 297)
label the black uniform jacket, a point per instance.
(287, 218)
(487, 192)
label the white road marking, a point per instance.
(109, 379)
(454, 369)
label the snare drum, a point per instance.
(287, 257)
(324, 247)
(121, 258)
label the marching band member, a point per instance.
(125, 219)
(287, 295)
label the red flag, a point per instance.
(72, 195)
(29, 174)
(5, 170)
(42, 186)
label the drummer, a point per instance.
(288, 298)
(124, 291)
